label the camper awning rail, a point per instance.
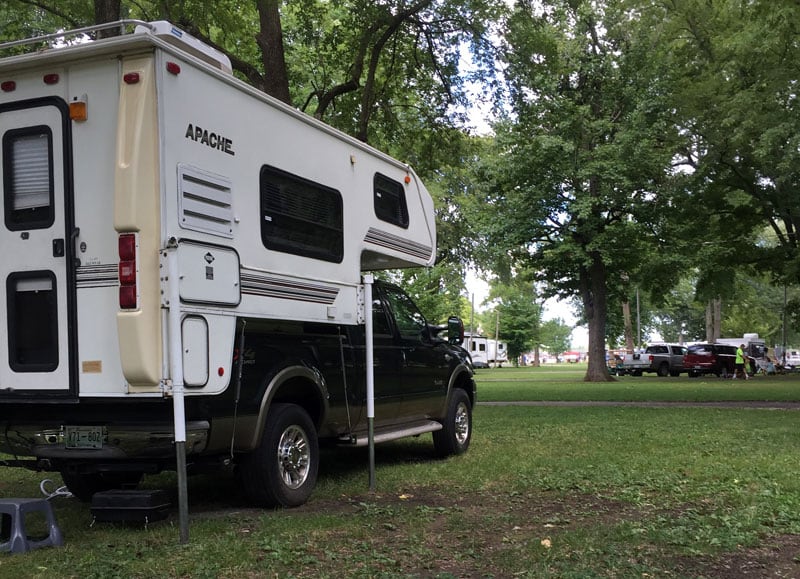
(121, 24)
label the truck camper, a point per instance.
(184, 261)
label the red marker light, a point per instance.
(128, 291)
(51, 78)
(8, 86)
(173, 68)
(131, 77)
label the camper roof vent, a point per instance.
(186, 42)
(204, 201)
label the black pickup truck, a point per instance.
(302, 384)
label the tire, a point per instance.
(455, 436)
(674, 373)
(636, 373)
(84, 485)
(282, 471)
(663, 370)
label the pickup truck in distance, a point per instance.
(663, 359)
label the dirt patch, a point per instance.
(778, 559)
(428, 532)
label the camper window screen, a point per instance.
(28, 178)
(390, 201)
(301, 217)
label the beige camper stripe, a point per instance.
(399, 244)
(261, 284)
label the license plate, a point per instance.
(84, 436)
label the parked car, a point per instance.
(792, 359)
(716, 359)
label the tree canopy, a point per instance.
(643, 148)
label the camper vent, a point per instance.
(205, 201)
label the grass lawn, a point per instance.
(542, 492)
(565, 382)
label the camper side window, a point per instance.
(300, 217)
(28, 178)
(390, 201)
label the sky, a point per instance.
(552, 309)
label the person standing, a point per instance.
(739, 364)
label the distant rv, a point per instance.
(498, 352)
(478, 348)
(485, 351)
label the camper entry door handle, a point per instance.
(58, 248)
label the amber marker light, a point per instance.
(77, 109)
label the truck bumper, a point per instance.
(119, 442)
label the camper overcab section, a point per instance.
(163, 219)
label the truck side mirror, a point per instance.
(455, 330)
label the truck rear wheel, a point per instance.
(454, 438)
(663, 370)
(282, 471)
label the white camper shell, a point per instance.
(158, 214)
(274, 215)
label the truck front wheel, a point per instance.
(456, 433)
(282, 471)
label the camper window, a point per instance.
(390, 201)
(28, 178)
(300, 217)
(32, 314)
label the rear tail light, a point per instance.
(128, 290)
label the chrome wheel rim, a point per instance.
(461, 424)
(294, 457)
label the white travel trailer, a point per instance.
(478, 348)
(498, 352)
(169, 230)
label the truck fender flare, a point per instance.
(316, 405)
(456, 376)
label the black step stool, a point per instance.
(14, 512)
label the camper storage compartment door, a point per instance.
(209, 274)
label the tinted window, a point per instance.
(32, 317)
(410, 322)
(390, 201)
(300, 217)
(700, 349)
(380, 325)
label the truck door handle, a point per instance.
(58, 247)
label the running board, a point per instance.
(386, 435)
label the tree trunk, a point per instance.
(626, 317)
(713, 320)
(270, 40)
(593, 294)
(107, 11)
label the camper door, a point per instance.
(35, 266)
